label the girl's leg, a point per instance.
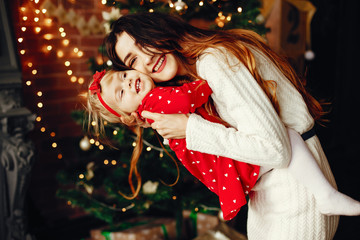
(305, 169)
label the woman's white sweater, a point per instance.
(279, 207)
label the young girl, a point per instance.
(120, 93)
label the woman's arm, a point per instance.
(258, 135)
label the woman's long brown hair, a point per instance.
(167, 33)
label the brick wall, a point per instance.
(59, 94)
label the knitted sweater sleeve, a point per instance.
(258, 135)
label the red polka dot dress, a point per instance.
(231, 180)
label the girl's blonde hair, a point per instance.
(98, 115)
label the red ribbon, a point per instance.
(95, 88)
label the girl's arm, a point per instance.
(258, 135)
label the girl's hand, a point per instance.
(169, 126)
(135, 120)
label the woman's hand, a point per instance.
(169, 126)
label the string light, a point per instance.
(66, 42)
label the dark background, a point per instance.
(332, 76)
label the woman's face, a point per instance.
(160, 67)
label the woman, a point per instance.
(255, 91)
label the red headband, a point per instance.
(96, 88)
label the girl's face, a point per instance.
(125, 90)
(160, 67)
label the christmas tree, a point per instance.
(97, 185)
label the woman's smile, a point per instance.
(160, 64)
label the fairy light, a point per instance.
(38, 119)
(73, 79)
(28, 83)
(23, 29)
(66, 42)
(40, 105)
(59, 156)
(80, 53)
(97, 143)
(42, 129)
(52, 134)
(81, 80)
(34, 72)
(101, 147)
(106, 162)
(148, 149)
(113, 162)
(67, 63)
(30, 64)
(60, 54)
(48, 36)
(36, 19)
(37, 29)
(48, 47)
(39, 93)
(239, 9)
(92, 141)
(115, 132)
(81, 176)
(20, 40)
(25, 18)
(48, 22)
(54, 145)
(63, 34)
(22, 51)
(201, 3)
